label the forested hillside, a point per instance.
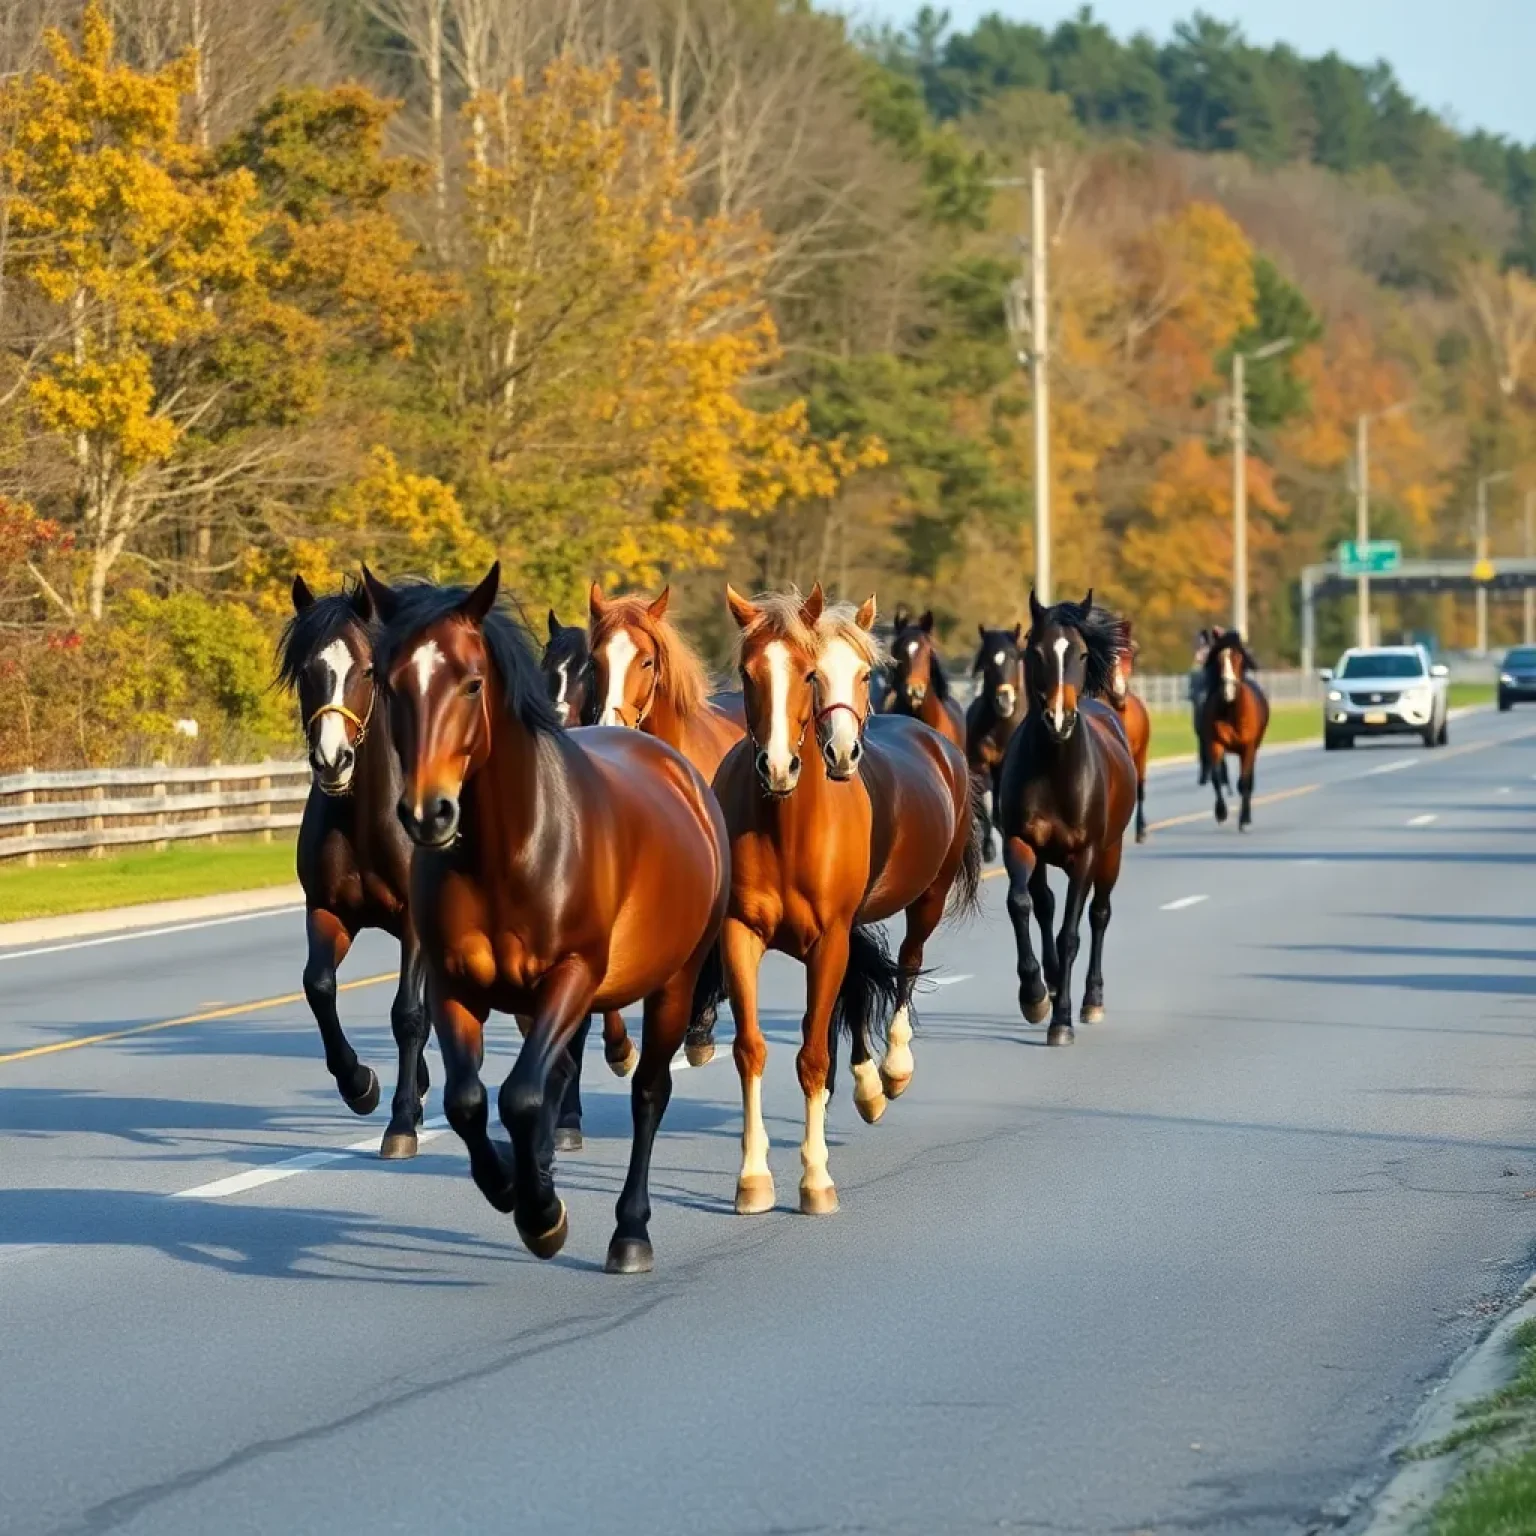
(687, 289)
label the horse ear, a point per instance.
(1088, 601)
(483, 598)
(981, 629)
(1036, 612)
(744, 612)
(596, 602)
(810, 609)
(902, 616)
(384, 597)
(554, 625)
(865, 617)
(658, 609)
(362, 603)
(302, 596)
(1018, 634)
(926, 622)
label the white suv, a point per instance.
(1391, 690)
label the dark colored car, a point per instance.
(1517, 677)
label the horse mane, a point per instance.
(938, 678)
(308, 633)
(839, 621)
(569, 645)
(1229, 640)
(1103, 634)
(778, 616)
(680, 674)
(419, 605)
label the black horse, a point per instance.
(993, 716)
(1068, 793)
(354, 859)
(1204, 639)
(567, 667)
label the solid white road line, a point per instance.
(149, 933)
(1397, 767)
(1182, 902)
(949, 981)
(1424, 820)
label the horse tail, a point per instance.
(870, 992)
(709, 989)
(965, 893)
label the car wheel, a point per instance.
(1336, 741)
(1431, 735)
(1505, 704)
(1445, 730)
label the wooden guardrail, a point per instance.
(94, 809)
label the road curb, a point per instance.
(153, 914)
(1401, 1508)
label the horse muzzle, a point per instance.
(1004, 701)
(1229, 693)
(916, 693)
(1061, 723)
(779, 780)
(842, 762)
(333, 776)
(431, 821)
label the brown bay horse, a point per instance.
(919, 685)
(354, 859)
(837, 821)
(994, 714)
(1233, 719)
(556, 874)
(1135, 721)
(1069, 789)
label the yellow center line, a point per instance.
(206, 1017)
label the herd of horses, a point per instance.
(532, 865)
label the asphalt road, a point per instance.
(1193, 1274)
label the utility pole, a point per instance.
(1530, 550)
(1482, 554)
(1240, 475)
(1028, 323)
(1363, 527)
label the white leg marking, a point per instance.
(754, 1134)
(333, 731)
(813, 1150)
(867, 1087)
(1061, 678)
(898, 1046)
(620, 651)
(426, 659)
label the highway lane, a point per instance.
(1192, 1274)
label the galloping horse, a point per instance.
(993, 715)
(919, 686)
(1069, 787)
(868, 818)
(556, 874)
(354, 859)
(1197, 691)
(567, 667)
(1233, 718)
(1136, 722)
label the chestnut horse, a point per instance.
(993, 715)
(354, 859)
(919, 686)
(556, 874)
(1136, 722)
(1233, 718)
(865, 819)
(1069, 788)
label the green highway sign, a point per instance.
(1369, 557)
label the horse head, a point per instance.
(846, 654)
(1228, 664)
(999, 664)
(777, 657)
(325, 657)
(1069, 655)
(567, 668)
(916, 668)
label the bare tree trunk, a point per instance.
(434, 67)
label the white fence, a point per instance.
(1170, 690)
(97, 809)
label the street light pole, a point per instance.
(1530, 550)
(1482, 554)
(1240, 475)
(1039, 356)
(1363, 528)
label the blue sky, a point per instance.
(1473, 60)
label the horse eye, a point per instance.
(648, 664)
(472, 688)
(810, 676)
(368, 673)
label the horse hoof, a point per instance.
(894, 1086)
(818, 1202)
(368, 1100)
(1038, 1012)
(754, 1194)
(547, 1244)
(701, 1054)
(872, 1108)
(1093, 1013)
(1221, 815)
(630, 1256)
(627, 1063)
(1060, 1034)
(568, 1138)
(1141, 835)
(397, 1145)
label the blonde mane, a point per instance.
(839, 621)
(680, 675)
(778, 618)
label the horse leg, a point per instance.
(618, 1049)
(461, 1038)
(667, 1014)
(825, 967)
(923, 917)
(408, 1021)
(1105, 876)
(329, 941)
(868, 1091)
(989, 804)
(1202, 751)
(1045, 920)
(741, 951)
(529, 1098)
(1034, 999)
(568, 1127)
(1245, 786)
(1219, 780)
(1141, 806)
(1061, 1032)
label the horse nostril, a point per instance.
(344, 759)
(794, 763)
(855, 752)
(404, 814)
(761, 761)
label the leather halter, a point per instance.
(346, 714)
(832, 709)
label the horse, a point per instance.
(556, 874)
(871, 817)
(1233, 718)
(1068, 791)
(354, 859)
(919, 686)
(567, 667)
(993, 715)
(1197, 690)
(1136, 723)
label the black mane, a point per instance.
(1104, 636)
(938, 679)
(418, 606)
(308, 633)
(569, 645)
(1229, 641)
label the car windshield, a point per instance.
(1524, 657)
(1383, 664)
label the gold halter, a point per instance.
(346, 714)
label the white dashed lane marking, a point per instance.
(1424, 820)
(1182, 902)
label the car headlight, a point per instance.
(1504, 677)
(1334, 695)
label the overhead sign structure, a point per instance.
(1369, 557)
